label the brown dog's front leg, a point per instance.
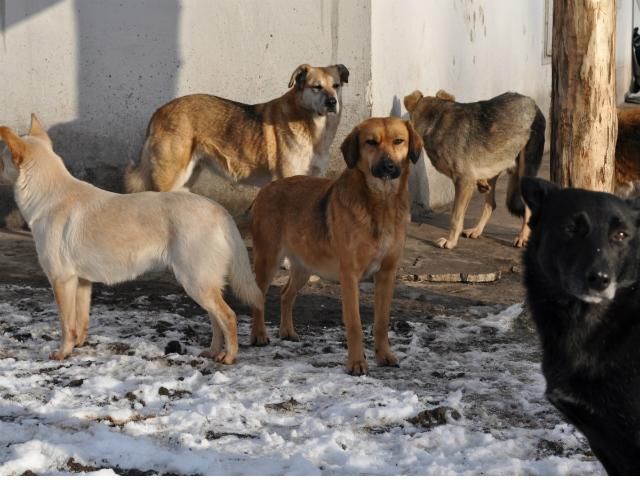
(65, 294)
(356, 362)
(384, 286)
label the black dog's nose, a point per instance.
(598, 281)
(331, 102)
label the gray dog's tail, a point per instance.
(527, 164)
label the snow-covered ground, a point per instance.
(468, 399)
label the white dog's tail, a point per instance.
(241, 278)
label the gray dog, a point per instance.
(473, 143)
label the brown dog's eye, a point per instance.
(371, 142)
(398, 141)
(620, 235)
(336, 85)
(317, 88)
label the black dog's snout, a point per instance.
(331, 103)
(386, 168)
(598, 281)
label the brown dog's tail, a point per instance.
(136, 176)
(527, 164)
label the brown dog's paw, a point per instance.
(220, 356)
(444, 243)
(259, 340)
(387, 359)
(290, 336)
(357, 367)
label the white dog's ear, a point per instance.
(411, 100)
(16, 145)
(38, 131)
(299, 75)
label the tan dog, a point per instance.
(84, 235)
(253, 144)
(473, 143)
(628, 152)
(344, 229)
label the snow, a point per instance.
(119, 405)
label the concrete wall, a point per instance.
(95, 70)
(475, 49)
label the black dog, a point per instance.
(582, 269)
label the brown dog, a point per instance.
(628, 152)
(253, 144)
(343, 229)
(473, 143)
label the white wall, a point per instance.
(95, 70)
(473, 49)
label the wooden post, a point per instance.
(584, 122)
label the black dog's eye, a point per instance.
(371, 141)
(619, 236)
(398, 141)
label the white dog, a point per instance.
(84, 235)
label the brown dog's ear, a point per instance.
(351, 148)
(38, 131)
(415, 143)
(299, 75)
(411, 100)
(444, 95)
(16, 145)
(343, 72)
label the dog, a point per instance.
(627, 178)
(582, 276)
(84, 235)
(250, 144)
(473, 143)
(344, 229)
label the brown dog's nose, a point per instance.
(386, 168)
(331, 103)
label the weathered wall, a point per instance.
(475, 49)
(96, 70)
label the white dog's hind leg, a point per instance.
(83, 305)
(65, 294)
(223, 320)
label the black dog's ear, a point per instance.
(351, 148)
(343, 72)
(634, 203)
(534, 192)
(415, 142)
(299, 75)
